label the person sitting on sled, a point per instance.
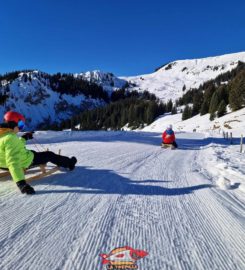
(168, 136)
(16, 158)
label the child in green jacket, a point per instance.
(16, 158)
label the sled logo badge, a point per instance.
(123, 258)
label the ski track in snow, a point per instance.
(126, 190)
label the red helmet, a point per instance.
(13, 117)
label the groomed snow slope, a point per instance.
(126, 190)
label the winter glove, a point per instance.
(25, 188)
(28, 135)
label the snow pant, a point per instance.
(48, 156)
(175, 144)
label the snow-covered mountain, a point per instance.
(32, 94)
(107, 80)
(171, 80)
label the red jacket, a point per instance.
(168, 136)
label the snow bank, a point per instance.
(232, 122)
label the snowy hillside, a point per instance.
(108, 81)
(127, 191)
(32, 95)
(232, 122)
(168, 82)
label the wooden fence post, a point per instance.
(241, 144)
(231, 137)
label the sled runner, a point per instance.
(43, 172)
(165, 145)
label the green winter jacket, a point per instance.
(13, 154)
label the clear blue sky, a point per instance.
(126, 37)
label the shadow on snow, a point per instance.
(89, 181)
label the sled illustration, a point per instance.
(123, 258)
(43, 171)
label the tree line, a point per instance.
(127, 108)
(213, 96)
(62, 83)
(11, 76)
(68, 84)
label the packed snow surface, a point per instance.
(127, 190)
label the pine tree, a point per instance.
(3, 99)
(131, 115)
(204, 108)
(187, 112)
(113, 120)
(151, 112)
(161, 108)
(72, 124)
(221, 108)
(197, 102)
(212, 116)
(237, 92)
(169, 106)
(208, 92)
(174, 110)
(124, 118)
(222, 92)
(214, 103)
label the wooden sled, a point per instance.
(165, 145)
(3, 174)
(43, 172)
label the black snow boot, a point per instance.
(72, 164)
(25, 188)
